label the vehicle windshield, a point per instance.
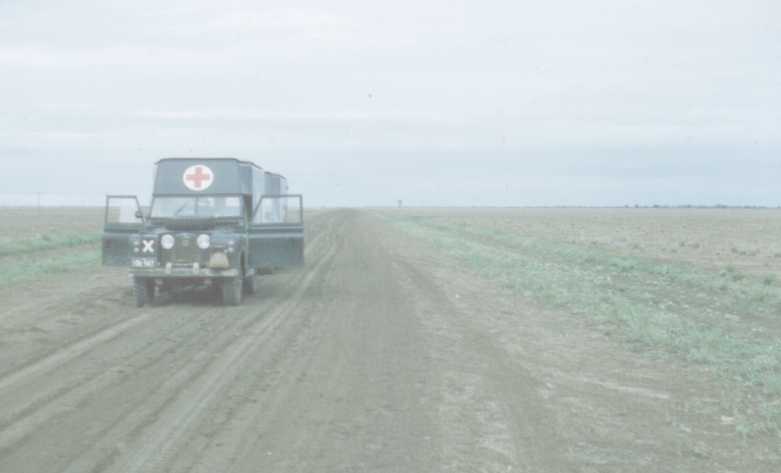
(197, 207)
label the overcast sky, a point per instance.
(606, 102)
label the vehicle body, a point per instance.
(217, 221)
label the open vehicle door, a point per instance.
(277, 232)
(123, 218)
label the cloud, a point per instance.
(570, 83)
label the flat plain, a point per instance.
(414, 340)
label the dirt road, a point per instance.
(377, 357)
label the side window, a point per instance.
(279, 209)
(123, 211)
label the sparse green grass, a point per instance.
(33, 267)
(724, 320)
(43, 242)
(37, 243)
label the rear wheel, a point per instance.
(232, 291)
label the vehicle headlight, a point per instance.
(167, 242)
(204, 241)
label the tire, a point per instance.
(232, 290)
(151, 292)
(144, 291)
(251, 284)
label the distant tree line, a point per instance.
(699, 206)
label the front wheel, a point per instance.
(232, 291)
(144, 290)
(251, 284)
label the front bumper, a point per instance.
(188, 272)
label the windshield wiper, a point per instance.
(179, 210)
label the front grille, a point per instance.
(185, 250)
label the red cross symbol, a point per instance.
(198, 177)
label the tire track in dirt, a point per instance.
(345, 389)
(41, 305)
(484, 391)
(72, 351)
(63, 400)
(231, 438)
(155, 406)
(159, 439)
(336, 369)
(48, 402)
(84, 344)
(379, 356)
(607, 409)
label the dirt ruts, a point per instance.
(376, 357)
